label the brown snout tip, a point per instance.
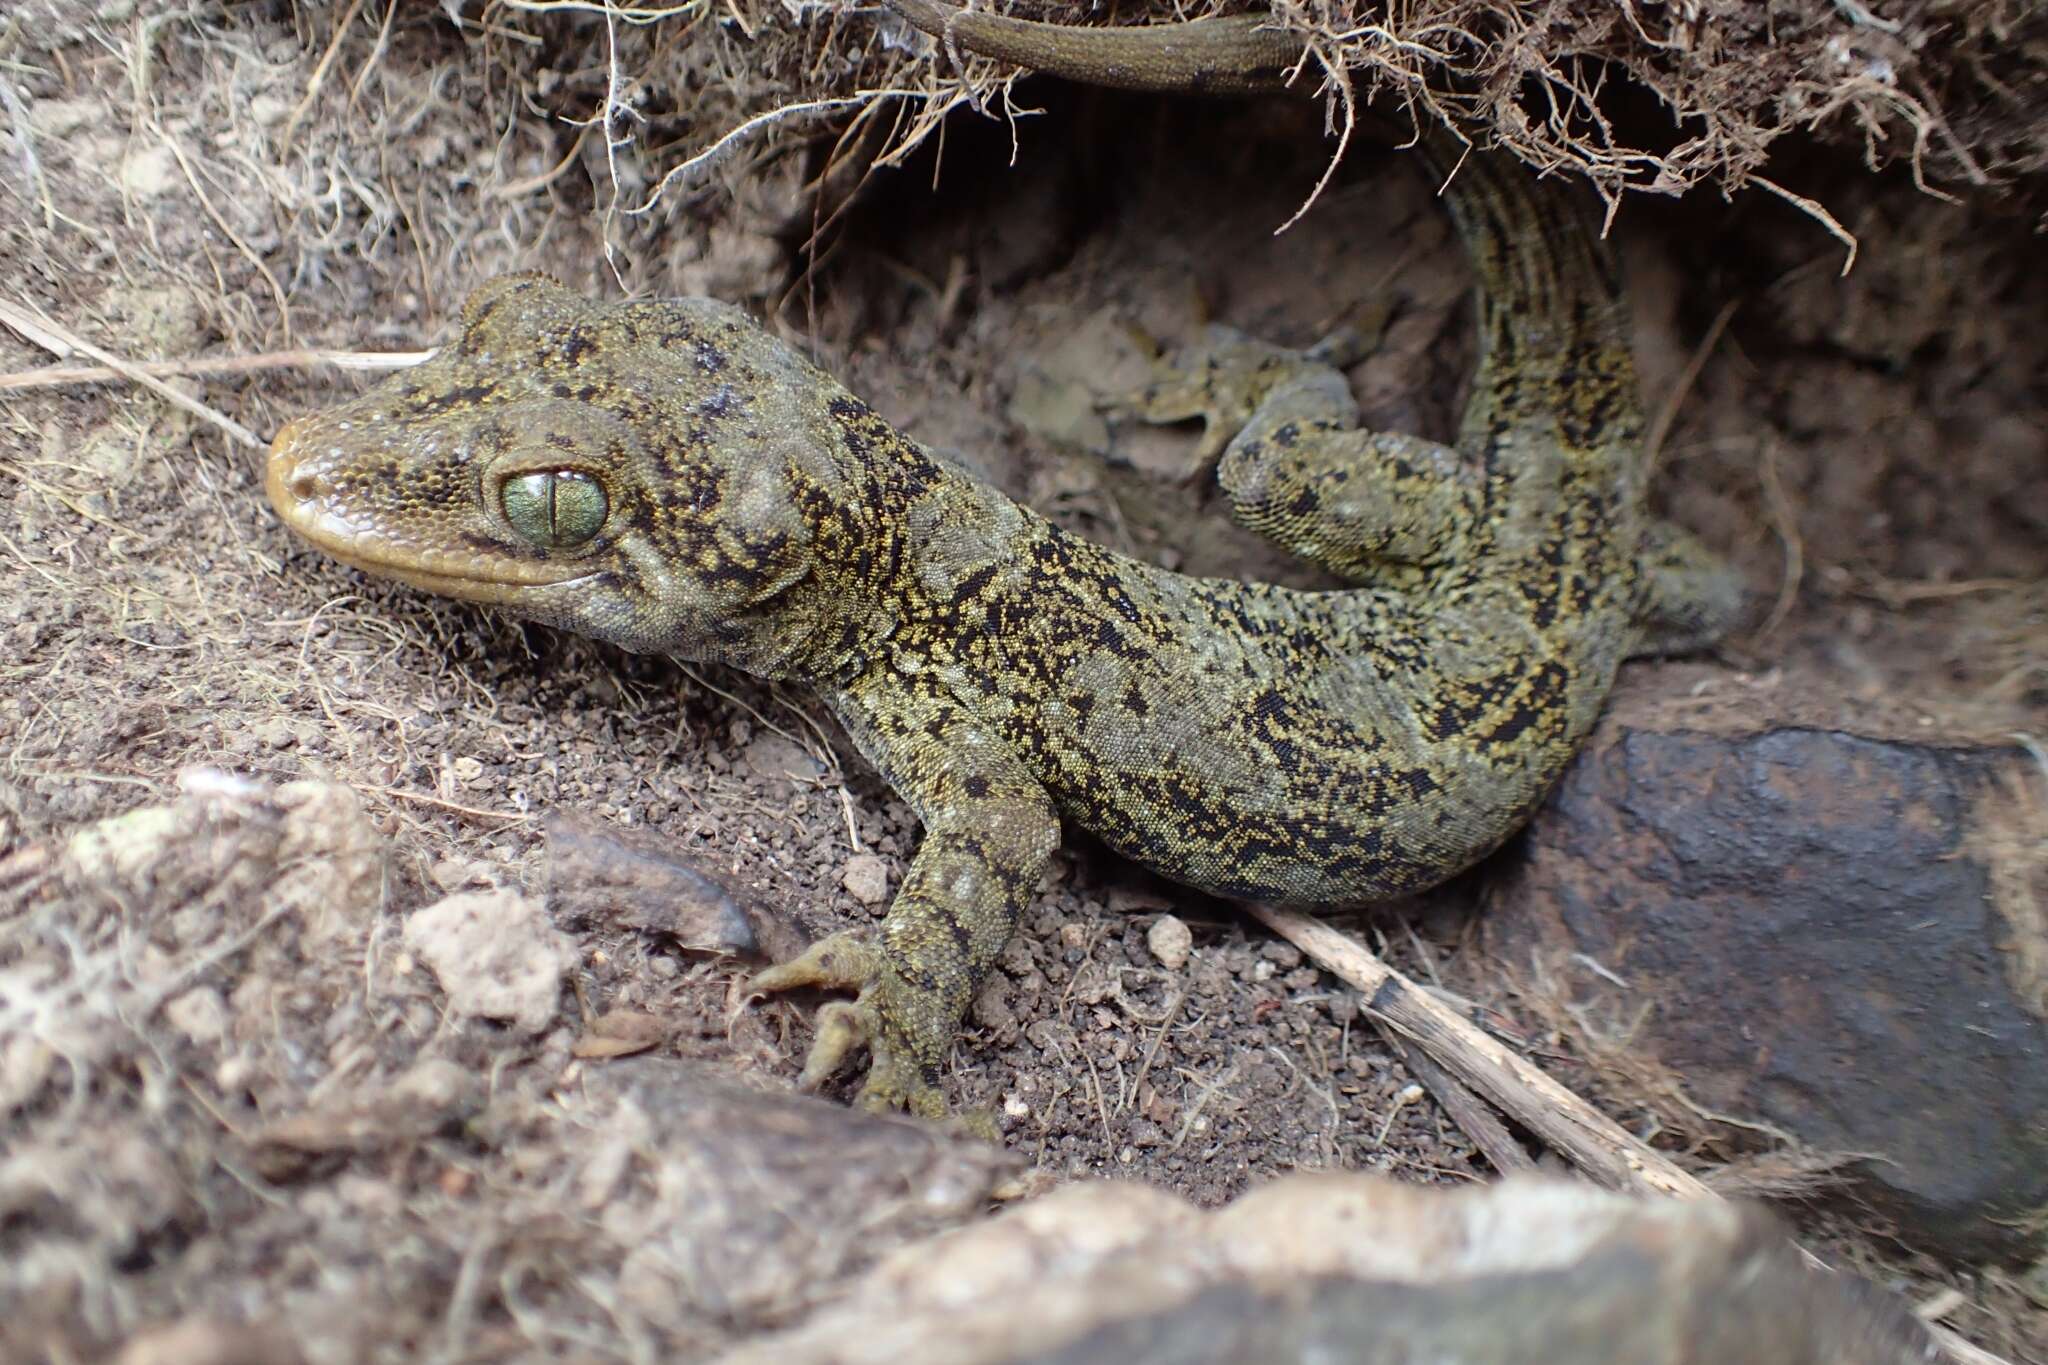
(285, 481)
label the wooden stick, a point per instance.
(1592, 1141)
(53, 336)
(1466, 1109)
(211, 367)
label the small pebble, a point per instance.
(866, 878)
(1170, 941)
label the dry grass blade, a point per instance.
(1667, 413)
(54, 337)
(211, 367)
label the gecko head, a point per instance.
(624, 471)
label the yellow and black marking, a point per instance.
(681, 481)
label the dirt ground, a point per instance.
(1872, 450)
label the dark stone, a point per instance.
(601, 874)
(1820, 931)
(756, 1203)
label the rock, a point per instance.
(1170, 941)
(601, 874)
(432, 1096)
(495, 953)
(1836, 935)
(748, 1206)
(619, 1033)
(774, 757)
(1355, 1268)
(200, 1014)
(148, 171)
(866, 879)
(230, 876)
(211, 1341)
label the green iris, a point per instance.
(556, 509)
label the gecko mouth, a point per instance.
(310, 503)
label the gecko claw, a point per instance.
(844, 961)
(848, 961)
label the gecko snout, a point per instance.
(289, 480)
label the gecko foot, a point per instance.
(847, 961)
(1226, 376)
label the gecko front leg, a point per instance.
(989, 829)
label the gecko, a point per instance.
(672, 478)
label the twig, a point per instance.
(48, 577)
(319, 78)
(730, 142)
(1338, 80)
(1894, 592)
(1466, 1109)
(441, 803)
(1180, 995)
(542, 179)
(1653, 444)
(355, 90)
(1817, 211)
(55, 338)
(211, 367)
(1785, 520)
(1595, 1143)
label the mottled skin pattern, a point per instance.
(669, 477)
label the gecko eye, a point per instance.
(554, 510)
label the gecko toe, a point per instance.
(843, 962)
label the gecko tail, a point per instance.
(1538, 248)
(1235, 55)
(1553, 328)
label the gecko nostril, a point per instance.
(305, 485)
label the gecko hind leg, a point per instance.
(1376, 508)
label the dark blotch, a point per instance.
(462, 396)
(576, 345)
(718, 404)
